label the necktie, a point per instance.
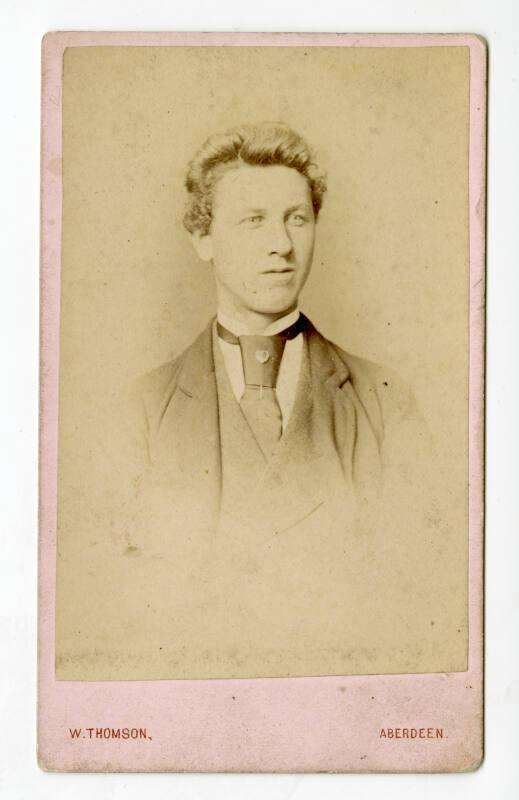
(261, 358)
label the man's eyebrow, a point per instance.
(302, 204)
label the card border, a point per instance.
(217, 713)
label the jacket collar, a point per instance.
(198, 363)
(325, 362)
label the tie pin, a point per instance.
(262, 356)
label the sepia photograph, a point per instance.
(250, 483)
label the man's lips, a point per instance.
(278, 277)
(280, 271)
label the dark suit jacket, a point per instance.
(355, 410)
(317, 566)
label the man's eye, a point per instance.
(297, 219)
(254, 219)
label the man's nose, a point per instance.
(279, 241)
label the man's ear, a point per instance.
(203, 244)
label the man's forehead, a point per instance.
(272, 184)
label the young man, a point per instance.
(263, 421)
(282, 524)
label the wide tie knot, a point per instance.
(261, 357)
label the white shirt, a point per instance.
(289, 368)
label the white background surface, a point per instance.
(22, 24)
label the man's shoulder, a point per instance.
(158, 379)
(382, 378)
(374, 383)
(195, 359)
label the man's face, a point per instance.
(261, 239)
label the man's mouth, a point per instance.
(279, 277)
(280, 271)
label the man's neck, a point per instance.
(259, 325)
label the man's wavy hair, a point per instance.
(264, 144)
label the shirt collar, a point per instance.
(239, 329)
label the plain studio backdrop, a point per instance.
(390, 275)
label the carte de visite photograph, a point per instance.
(262, 365)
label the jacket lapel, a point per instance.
(345, 410)
(334, 418)
(184, 435)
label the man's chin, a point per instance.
(275, 305)
(274, 310)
